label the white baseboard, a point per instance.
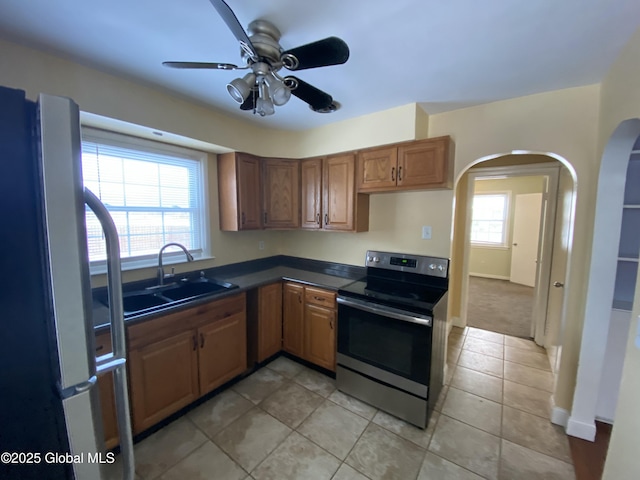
(604, 420)
(559, 416)
(488, 275)
(580, 429)
(456, 322)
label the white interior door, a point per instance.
(526, 236)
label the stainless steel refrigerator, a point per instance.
(50, 419)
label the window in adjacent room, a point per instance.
(489, 219)
(156, 194)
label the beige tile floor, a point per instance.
(289, 422)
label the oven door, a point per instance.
(389, 345)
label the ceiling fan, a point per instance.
(263, 87)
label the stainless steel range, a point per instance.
(392, 332)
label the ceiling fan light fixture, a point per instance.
(264, 104)
(240, 88)
(278, 91)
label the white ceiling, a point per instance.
(441, 54)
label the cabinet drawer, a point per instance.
(322, 298)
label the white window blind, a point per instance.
(154, 193)
(489, 219)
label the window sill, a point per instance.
(145, 264)
(490, 247)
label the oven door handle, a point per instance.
(387, 311)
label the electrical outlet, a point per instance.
(261, 245)
(426, 232)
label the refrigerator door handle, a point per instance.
(116, 361)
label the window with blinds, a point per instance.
(155, 193)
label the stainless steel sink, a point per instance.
(156, 298)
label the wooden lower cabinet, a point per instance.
(164, 378)
(223, 351)
(177, 358)
(107, 395)
(320, 336)
(292, 319)
(309, 324)
(268, 319)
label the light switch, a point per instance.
(261, 245)
(426, 232)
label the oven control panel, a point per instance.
(432, 266)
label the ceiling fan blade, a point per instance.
(330, 51)
(204, 65)
(316, 98)
(236, 28)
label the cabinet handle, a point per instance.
(195, 343)
(265, 217)
(318, 218)
(326, 219)
(393, 173)
(243, 218)
(101, 347)
(319, 299)
(299, 298)
(331, 323)
(399, 174)
(201, 340)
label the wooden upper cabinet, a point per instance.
(424, 164)
(377, 168)
(311, 198)
(343, 209)
(239, 188)
(281, 193)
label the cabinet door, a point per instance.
(423, 164)
(164, 378)
(281, 188)
(377, 169)
(339, 192)
(269, 320)
(248, 169)
(107, 395)
(222, 353)
(320, 336)
(292, 319)
(311, 198)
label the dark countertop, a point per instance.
(247, 275)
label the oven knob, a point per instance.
(441, 268)
(376, 259)
(432, 266)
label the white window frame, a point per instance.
(170, 256)
(505, 221)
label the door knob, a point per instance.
(558, 284)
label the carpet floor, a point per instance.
(500, 306)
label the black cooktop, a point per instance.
(418, 297)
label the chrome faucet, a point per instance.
(161, 275)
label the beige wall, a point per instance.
(496, 262)
(620, 97)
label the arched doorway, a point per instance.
(557, 236)
(609, 274)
